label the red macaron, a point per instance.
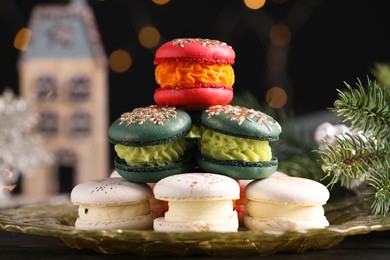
(194, 73)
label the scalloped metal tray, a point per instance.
(347, 216)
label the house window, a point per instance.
(80, 124)
(46, 88)
(18, 186)
(48, 124)
(79, 88)
(66, 163)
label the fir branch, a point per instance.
(353, 158)
(249, 100)
(302, 166)
(364, 154)
(367, 111)
(294, 151)
(381, 71)
(380, 182)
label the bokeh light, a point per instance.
(120, 61)
(22, 39)
(149, 37)
(160, 2)
(280, 35)
(276, 97)
(254, 4)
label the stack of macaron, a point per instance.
(192, 126)
(202, 158)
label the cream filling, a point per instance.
(199, 210)
(258, 209)
(107, 213)
(224, 147)
(152, 155)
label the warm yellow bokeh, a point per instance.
(280, 35)
(276, 97)
(254, 4)
(149, 37)
(120, 61)
(22, 39)
(160, 2)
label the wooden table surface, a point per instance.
(374, 245)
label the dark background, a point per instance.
(334, 41)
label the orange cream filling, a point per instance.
(189, 74)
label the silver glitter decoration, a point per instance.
(240, 114)
(154, 113)
(206, 42)
(328, 133)
(19, 150)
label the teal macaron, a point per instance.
(150, 143)
(235, 142)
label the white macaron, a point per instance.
(197, 202)
(156, 206)
(112, 203)
(285, 203)
(240, 203)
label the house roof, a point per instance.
(64, 31)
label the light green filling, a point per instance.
(194, 132)
(224, 147)
(162, 154)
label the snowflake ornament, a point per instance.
(19, 150)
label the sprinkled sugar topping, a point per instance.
(206, 42)
(154, 113)
(240, 114)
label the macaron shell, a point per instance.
(287, 190)
(238, 169)
(195, 50)
(110, 191)
(196, 187)
(215, 225)
(149, 131)
(193, 98)
(283, 223)
(241, 122)
(156, 206)
(152, 174)
(144, 222)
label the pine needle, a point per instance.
(380, 182)
(366, 110)
(363, 156)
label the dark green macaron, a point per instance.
(193, 136)
(150, 143)
(235, 142)
(241, 122)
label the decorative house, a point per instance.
(65, 71)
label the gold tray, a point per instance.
(347, 216)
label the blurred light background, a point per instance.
(294, 54)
